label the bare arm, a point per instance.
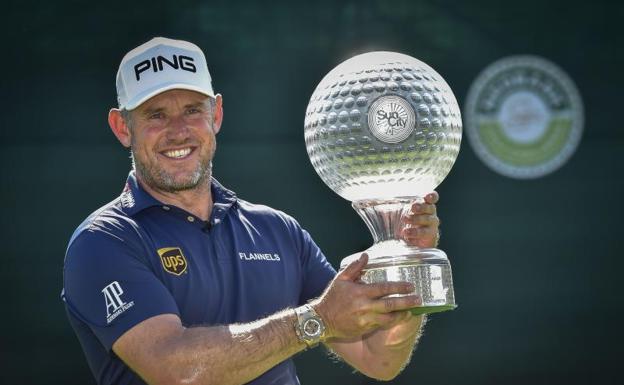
(162, 351)
(383, 353)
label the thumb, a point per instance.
(353, 271)
(432, 198)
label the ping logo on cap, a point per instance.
(181, 62)
(173, 260)
(161, 65)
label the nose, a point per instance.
(177, 129)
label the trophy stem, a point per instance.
(383, 217)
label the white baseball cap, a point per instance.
(160, 65)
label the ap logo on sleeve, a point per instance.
(114, 303)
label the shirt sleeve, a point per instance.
(109, 286)
(317, 271)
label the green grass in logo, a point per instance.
(547, 147)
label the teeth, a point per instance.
(181, 153)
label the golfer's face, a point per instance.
(173, 140)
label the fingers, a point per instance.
(423, 220)
(385, 320)
(354, 270)
(423, 208)
(382, 289)
(421, 236)
(419, 208)
(432, 198)
(420, 225)
(372, 321)
(393, 304)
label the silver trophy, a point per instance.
(383, 129)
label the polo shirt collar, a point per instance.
(222, 200)
(221, 196)
(134, 198)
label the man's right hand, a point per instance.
(351, 308)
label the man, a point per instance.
(179, 281)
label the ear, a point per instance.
(119, 127)
(218, 113)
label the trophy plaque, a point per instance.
(382, 130)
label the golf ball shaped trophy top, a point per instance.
(382, 130)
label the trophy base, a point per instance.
(427, 269)
(431, 309)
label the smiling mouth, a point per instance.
(180, 153)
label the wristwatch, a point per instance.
(310, 327)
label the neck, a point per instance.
(197, 201)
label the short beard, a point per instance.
(159, 179)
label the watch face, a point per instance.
(312, 327)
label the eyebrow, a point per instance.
(151, 111)
(198, 104)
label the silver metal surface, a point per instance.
(428, 269)
(432, 283)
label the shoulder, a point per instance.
(267, 214)
(107, 227)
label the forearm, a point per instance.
(383, 353)
(389, 350)
(232, 354)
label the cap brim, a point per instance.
(142, 98)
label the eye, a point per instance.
(156, 116)
(193, 110)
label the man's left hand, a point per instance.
(421, 223)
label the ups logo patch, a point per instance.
(173, 260)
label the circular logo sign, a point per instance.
(391, 119)
(524, 117)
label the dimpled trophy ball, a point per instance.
(382, 130)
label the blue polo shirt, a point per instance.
(136, 258)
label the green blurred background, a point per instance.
(536, 263)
